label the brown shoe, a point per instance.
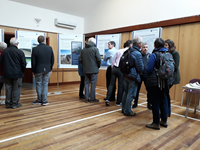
(153, 126)
(164, 124)
(130, 114)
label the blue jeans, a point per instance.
(130, 89)
(42, 80)
(143, 78)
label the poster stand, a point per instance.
(58, 92)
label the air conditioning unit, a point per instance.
(64, 24)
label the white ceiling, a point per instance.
(79, 8)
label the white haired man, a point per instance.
(14, 64)
(3, 45)
(91, 61)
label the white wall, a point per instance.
(22, 16)
(110, 14)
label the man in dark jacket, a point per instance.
(157, 94)
(91, 61)
(14, 64)
(132, 79)
(145, 57)
(42, 60)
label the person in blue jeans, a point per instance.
(42, 60)
(132, 79)
(145, 58)
(157, 93)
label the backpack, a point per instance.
(165, 65)
(125, 64)
(165, 69)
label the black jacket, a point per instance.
(13, 62)
(42, 58)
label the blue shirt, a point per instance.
(109, 56)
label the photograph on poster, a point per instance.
(27, 41)
(76, 47)
(65, 56)
(69, 48)
(149, 36)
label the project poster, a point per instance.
(102, 44)
(1, 35)
(69, 48)
(27, 40)
(149, 36)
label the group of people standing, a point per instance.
(142, 65)
(143, 68)
(13, 64)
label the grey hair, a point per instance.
(3, 45)
(14, 41)
(137, 40)
(92, 40)
(144, 44)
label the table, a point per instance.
(189, 98)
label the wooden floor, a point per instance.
(69, 123)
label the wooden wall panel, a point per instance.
(101, 81)
(53, 77)
(189, 46)
(70, 76)
(53, 42)
(8, 29)
(124, 37)
(172, 33)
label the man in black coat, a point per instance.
(42, 60)
(14, 63)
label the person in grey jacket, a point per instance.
(91, 61)
(145, 57)
(132, 79)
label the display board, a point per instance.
(1, 35)
(102, 44)
(27, 40)
(69, 47)
(149, 36)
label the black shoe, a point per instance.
(8, 106)
(134, 105)
(86, 101)
(36, 102)
(17, 106)
(164, 124)
(149, 106)
(122, 111)
(105, 99)
(45, 103)
(93, 101)
(130, 114)
(153, 126)
(82, 97)
(107, 103)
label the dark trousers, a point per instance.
(108, 80)
(168, 100)
(82, 84)
(90, 78)
(143, 78)
(159, 104)
(116, 73)
(13, 90)
(1, 85)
